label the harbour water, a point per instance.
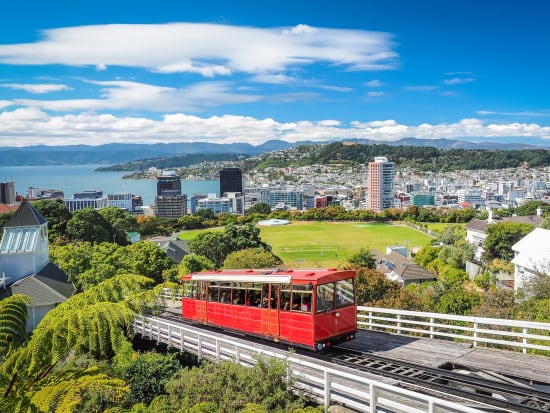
(77, 178)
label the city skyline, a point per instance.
(241, 71)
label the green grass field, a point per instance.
(328, 244)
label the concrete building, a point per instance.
(169, 202)
(121, 200)
(232, 202)
(380, 184)
(7, 193)
(422, 198)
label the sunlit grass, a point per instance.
(328, 244)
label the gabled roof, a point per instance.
(481, 225)
(50, 286)
(405, 267)
(25, 216)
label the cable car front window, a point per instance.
(325, 297)
(345, 294)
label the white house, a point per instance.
(25, 266)
(531, 256)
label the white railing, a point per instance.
(318, 381)
(491, 332)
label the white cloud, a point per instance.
(119, 95)
(36, 88)
(31, 126)
(458, 80)
(5, 103)
(543, 113)
(374, 83)
(375, 94)
(206, 49)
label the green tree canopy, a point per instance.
(364, 257)
(501, 237)
(89, 226)
(259, 208)
(57, 215)
(252, 258)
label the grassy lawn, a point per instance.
(439, 226)
(328, 244)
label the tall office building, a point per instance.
(380, 184)
(231, 180)
(7, 193)
(169, 202)
(168, 181)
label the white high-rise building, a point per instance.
(380, 184)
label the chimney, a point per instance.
(490, 218)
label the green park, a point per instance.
(327, 244)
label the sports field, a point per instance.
(322, 244)
(328, 244)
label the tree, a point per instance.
(147, 376)
(252, 258)
(501, 237)
(13, 323)
(259, 208)
(98, 322)
(545, 224)
(121, 221)
(147, 259)
(214, 245)
(89, 226)
(194, 263)
(57, 215)
(364, 257)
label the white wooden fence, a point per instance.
(490, 332)
(319, 381)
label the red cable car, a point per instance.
(312, 308)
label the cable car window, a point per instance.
(345, 294)
(213, 291)
(301, 297)
(274, 300)
(201, 290)
(239, 291)
(253, 294)
(225, 293)
(265, 295)
(325, 297)
(285, 297)
(188, 289)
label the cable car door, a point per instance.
(270, 310)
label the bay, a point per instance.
(77, 178)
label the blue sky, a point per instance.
(75, 72)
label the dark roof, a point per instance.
(405, 267)
(481, 225)
(55, 278)
(50, 286)
(26, 216)
(177, 249)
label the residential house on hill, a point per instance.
(396, 266)
(25, 267)
(476, 229)
(532, 257)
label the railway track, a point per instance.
(504, 396)
(497, 395)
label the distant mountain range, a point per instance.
(122, 152)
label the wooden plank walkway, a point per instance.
(436, 353)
